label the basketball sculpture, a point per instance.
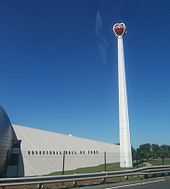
(119, 29)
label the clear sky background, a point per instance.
(58, 66)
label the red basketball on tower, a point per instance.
(119, 29)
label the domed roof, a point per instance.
(4, 120)
(7, 138)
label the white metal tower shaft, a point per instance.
(119, 30)
(125, 144)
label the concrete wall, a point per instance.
(42, 151)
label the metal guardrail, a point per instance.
(153, 170)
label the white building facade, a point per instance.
(43, 151)
(26, 151)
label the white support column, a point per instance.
(125, 144)
(119, 30)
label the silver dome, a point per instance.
(7, 139)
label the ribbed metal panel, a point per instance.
(7, 138)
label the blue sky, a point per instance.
(58, 66)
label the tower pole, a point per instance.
(124, 133)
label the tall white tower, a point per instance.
(119, 30)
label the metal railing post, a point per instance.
(63, 163)
(105, 162)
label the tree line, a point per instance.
(146, 152)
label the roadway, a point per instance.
(160, 183)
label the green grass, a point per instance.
(99, 168)
(109, 167)
(159, 162)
